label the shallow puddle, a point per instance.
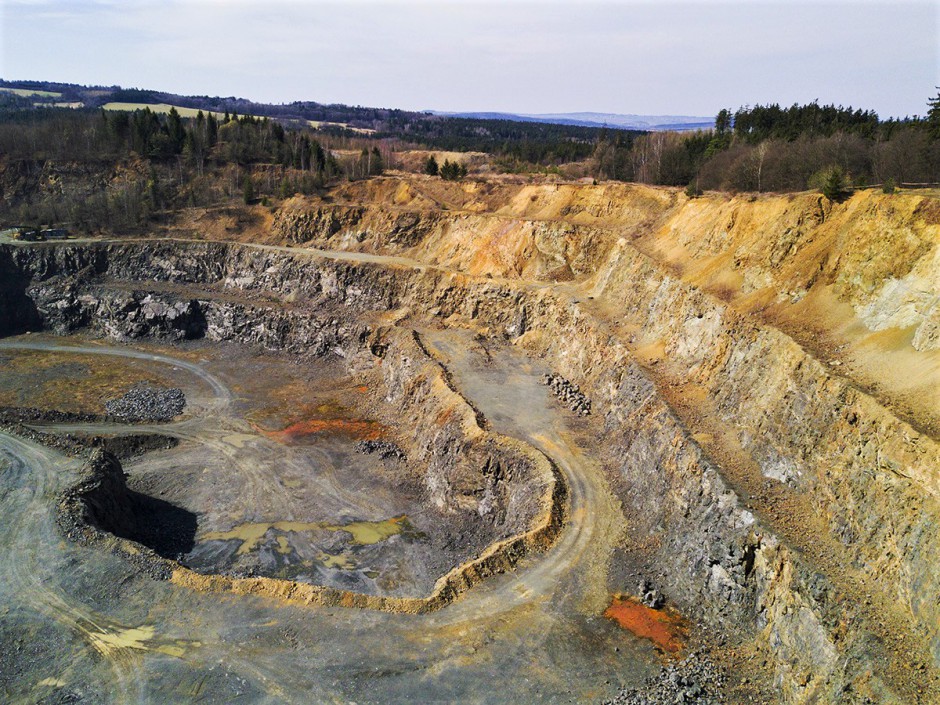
(363, 533)
(366, 533)
(340, 562)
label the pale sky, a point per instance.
(529, 56)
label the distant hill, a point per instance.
(50, 93)
(532, 141)
(587, 119)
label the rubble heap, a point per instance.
(146, 402)
(570, 394)
(695, 679)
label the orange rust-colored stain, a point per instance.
(444, 416)
(665, 628)
(297, 432)
(362, 389)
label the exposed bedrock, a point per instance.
(17, 311)
(502, 499)
(499, 498)
(471, 474)
(533, 249)
(875, 253)
(865, 479)
(810, 596)
(870, 475)
(101, 505)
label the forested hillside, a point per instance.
(68, 156)
(534, 143)
(769, 148)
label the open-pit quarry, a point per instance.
(492, 441)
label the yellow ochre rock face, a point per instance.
(855, 283)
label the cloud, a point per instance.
(526, 56)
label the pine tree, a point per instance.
(317, 157)
(933, 117)
(212, 130)
(174, 128)
(452, 171)
(723, 121)
(376, 165)
(832, 182)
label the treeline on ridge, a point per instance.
(528, 142)
(107, 169)
(537, 143)
(98, 169)
(769, 148)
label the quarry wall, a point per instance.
(867, 473)
(504, 497)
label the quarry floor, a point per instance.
(82, 623)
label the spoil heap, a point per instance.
(145, 402)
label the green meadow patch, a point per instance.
(158, 108)
(29, 92)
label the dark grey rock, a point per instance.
(569, 394)
(385, 449)
(145, 402)
(695, 679)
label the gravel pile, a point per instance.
(385, 449)
(569, 394)
(695, 679)
(145, 402)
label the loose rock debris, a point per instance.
(385, 449)
(570, 394)
(695, 679)
(650, 596)
(146, 402)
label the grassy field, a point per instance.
(191, 113)
(158, 108)
(317, 124)
(27, 92)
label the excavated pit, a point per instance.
(281, 485)
(778, 505)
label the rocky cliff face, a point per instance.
(17, 311)
(813, 432)
(100, 508)
(852, 282)
(820, 307)
(472, 475)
